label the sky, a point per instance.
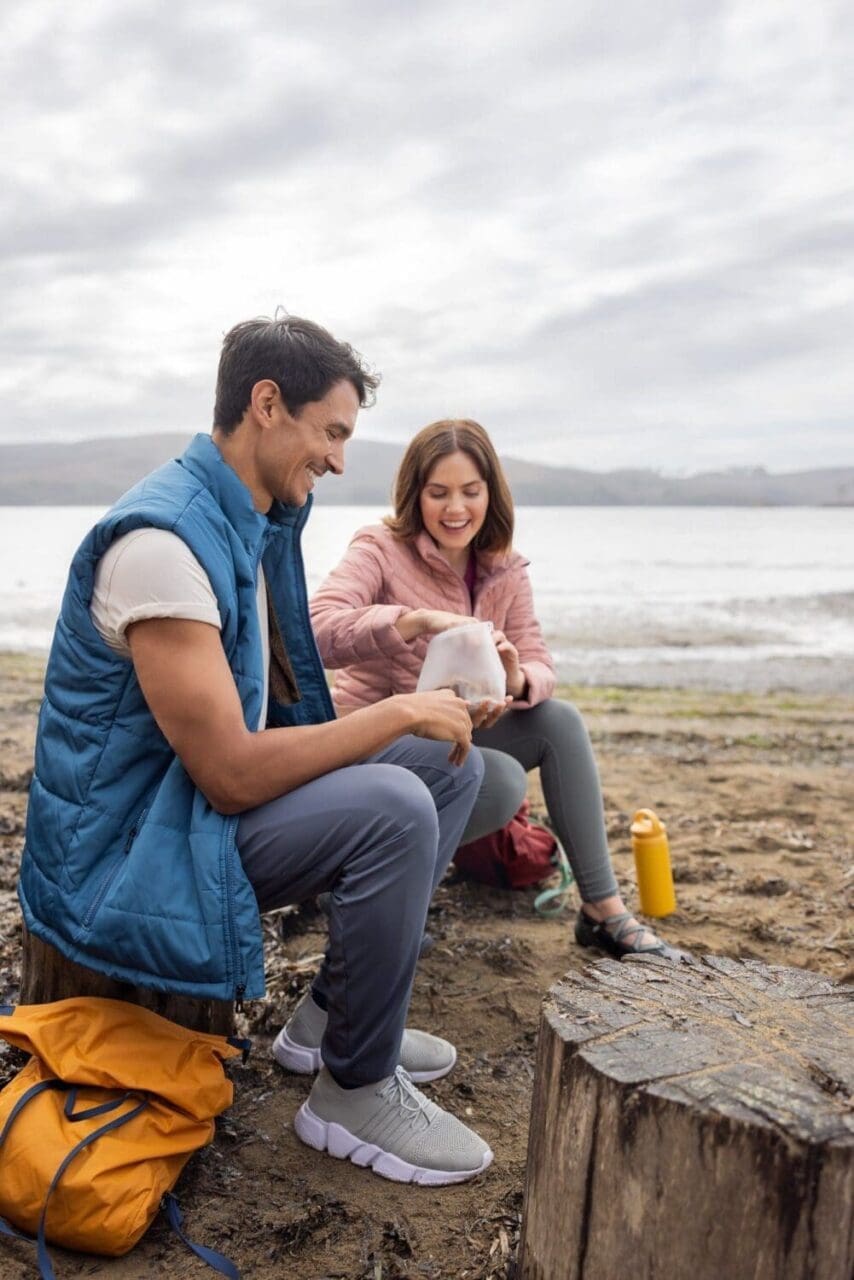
(615, 234)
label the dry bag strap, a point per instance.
(552, 901)
(245, 1046)
(216, 1260)
(6, 1228)
(43, 1255)
(31, 1093)
(170, 1204)
(102, 1109)
(45, 1266)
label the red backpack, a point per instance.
(515, 857)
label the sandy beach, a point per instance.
(757, 795)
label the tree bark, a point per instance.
(692, 1121)
(47, 975)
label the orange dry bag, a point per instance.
(96, 1128)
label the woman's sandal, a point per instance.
(597, 933)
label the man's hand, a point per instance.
(428, 622)
(190, 690)
(439, 714)
(509, 655)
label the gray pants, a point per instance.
(379, 835)
(553, 737)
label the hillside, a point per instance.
(95, 472)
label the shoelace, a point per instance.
(400, 1089)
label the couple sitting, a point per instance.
(191, 770)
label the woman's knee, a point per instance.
(513, 781)
(557, 719)
(502, 790)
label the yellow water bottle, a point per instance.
(652, 863)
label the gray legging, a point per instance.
(553, 736)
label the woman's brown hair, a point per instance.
(423, 452)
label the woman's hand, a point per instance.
(484, 714)
(509, 655)
(428, 622)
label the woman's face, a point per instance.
(454, 502)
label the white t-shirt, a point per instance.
(151, 573)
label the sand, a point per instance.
(757, 795)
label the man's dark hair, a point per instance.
(301, 358)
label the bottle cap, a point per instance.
(646, 824)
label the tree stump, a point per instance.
(692, 1121)
(47, 975)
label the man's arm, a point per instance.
(187, 683)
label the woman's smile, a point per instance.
(454, 503)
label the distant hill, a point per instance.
(95, 472)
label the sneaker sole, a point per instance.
(343, 1145)
(295, 1057)
(305, 1061)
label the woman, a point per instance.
(444, 556)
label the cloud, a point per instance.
(603, 231)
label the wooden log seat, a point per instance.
(46, 975)
(692, 1122)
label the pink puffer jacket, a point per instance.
(354, 611)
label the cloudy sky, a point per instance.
(616, 234)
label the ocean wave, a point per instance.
(820, 624)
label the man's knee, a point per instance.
(399, 798)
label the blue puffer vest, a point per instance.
(126, 867)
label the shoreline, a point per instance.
(809, 675)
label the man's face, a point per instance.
(300, 447)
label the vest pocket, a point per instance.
(103, 888)
(112, 872)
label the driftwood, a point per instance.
(47, 975)
(692, 1121)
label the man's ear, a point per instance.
(264, 401)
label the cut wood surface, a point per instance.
(692, 1121)
(47, 975)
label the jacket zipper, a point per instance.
(102, 893)
(228, 845)
(112, 873)
(132, 834)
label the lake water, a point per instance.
(736, 598)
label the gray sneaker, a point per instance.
(391, 1128)
(297, 1046)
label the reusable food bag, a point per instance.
(466, 660)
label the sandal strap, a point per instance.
(623, 922)
(618, 919)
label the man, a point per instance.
(189, 768)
